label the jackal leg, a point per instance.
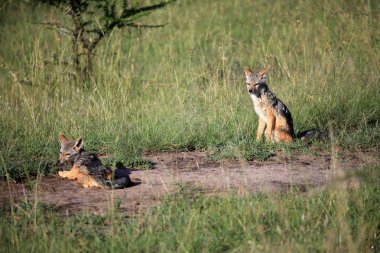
(93, 184)
(89, 181)
(72, 174)
(260, 129)
(281, 131)
(271, 121)
(282, 136)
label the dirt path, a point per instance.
(193, 169)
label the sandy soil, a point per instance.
(189, 169)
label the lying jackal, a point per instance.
(86, 167)
(274, 117)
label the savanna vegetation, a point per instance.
(182, 87)
(334, 220)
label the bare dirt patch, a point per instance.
(193, 169)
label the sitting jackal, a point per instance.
(275, 119)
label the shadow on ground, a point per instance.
(189, 169)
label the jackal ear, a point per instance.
(78, 144)
(62, 138)
(262, 73)
(248, 71)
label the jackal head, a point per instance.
(256, 82)
(69, 149)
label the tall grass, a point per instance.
(335, 219)
(182, 86)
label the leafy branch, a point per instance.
(93, 20)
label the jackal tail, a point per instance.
(118, 183)
(310, 135)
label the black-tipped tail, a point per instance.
(121, 183)
(310, 135)
(118, 183)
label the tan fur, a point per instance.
(260, 129)
(86, 168)
(274, 117)
(72, 174)
(62, 138)
(264, 71)
(86, 180)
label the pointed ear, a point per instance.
(262, 73)
(62, 138)
(248, 71)
(78, 144)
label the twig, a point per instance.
(14, 76)
(56, 26)
(138, 25)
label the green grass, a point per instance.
(181, 87)
(335, 219)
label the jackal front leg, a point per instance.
(72, 174)
(271, 121)
(260, 129)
